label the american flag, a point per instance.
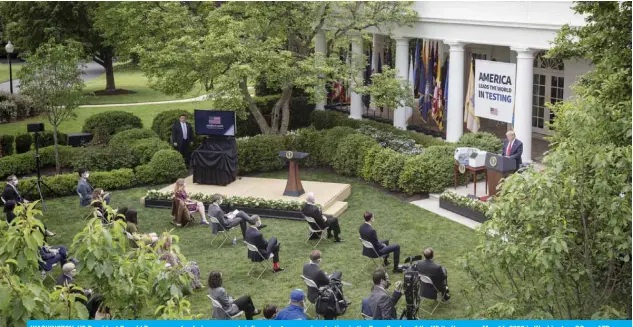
(215, 121)
(494, 111)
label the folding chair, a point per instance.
(221, 230)
(368, 245)
(427, 280)
(253, 248)
(322, 232)
(310, 284)
(217, 305)
(3, 201)
(366, 317)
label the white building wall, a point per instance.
(573, 70)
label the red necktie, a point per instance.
(508, 149)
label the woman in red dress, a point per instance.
(192, 205)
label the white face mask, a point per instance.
(15, 182)
(86, 175)
(73, 273)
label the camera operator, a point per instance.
(383, 306)
(437, 274)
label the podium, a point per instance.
(293, 186)
(498, 167)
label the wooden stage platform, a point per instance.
(331, 196)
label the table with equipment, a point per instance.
(462, 169)
(214, 162)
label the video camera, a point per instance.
(411, 288)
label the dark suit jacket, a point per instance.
(318, 276)
(382, 305)
(255, 237)
(85, 190)
(368, 233)
(64, 280)
(218, 213)
(436, 273)
(10, 193)
(176, 133)
(515, 152)
(313, 211)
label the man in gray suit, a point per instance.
(228, 220)
(85, 189)
(383, 305)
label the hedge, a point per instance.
(66, 184)
(98, 158)
(6, 145)
(306, 140)
(162, 123)
(165, 167)
(482, 141)
(349, 155)
(143, 150)
(260, 153)
(24, 163)
(47, 138)
(129, 137)
(430, 172)
(23, 142)
(330, 142)
(112, 121)
(17, 107)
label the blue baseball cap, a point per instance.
(297, 295)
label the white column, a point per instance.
(402, 65)
(523, 100)
(455, 109)
(356, 102)
(319, 47)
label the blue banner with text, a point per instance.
(330, 323)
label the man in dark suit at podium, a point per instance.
(512, 148)
(182, 136)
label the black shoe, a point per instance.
(339, 241)
(256, 312)
(397, 270)
(278, 270)
(329, 236)
(262, 226)
(386, 263)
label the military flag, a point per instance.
(472, 121)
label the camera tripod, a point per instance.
(39, 182)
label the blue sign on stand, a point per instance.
(330, 323)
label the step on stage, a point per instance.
(331, 196)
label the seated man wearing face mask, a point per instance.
(10, 192)
(66, 279)
(382, 305)
(231, 219)
(84, 189)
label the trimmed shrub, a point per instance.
(129, 137)
(17, 106)
(143, 150)
(47, 139)
(162, 123)
(326, 119)
(482, 140)
(165, 167)
(66, 184)
(8, 111)
(24, 163)
(430, 172)
(370, 159)
(380, 164)
(306, 140)
(6, 145)
(100, 137)
(330, 143)
(112, 121)
(104, 158)
(392, 169)
(260, 153)
(23, 142)
(349, 156)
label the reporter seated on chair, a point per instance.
(368, 233)
(310, 209)
(132, 227)
(192, 205)
(230, 306)
(11, 192)
(254, 236)
(229, 220)
(312, 271)
(296, 307)
(85, 190)
(437, 274)
(381, 304)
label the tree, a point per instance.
(28, 25)
(52, 77)
(227, 48)
(388, 91)
(559, 241)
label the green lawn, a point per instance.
(403, 223)
(132, 79)
(4, 71)
(145, 112)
